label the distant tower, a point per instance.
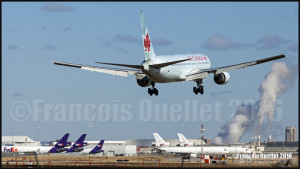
(202, 132)
(202, 137)
(290, 134)
(258, 140)
(270, 138)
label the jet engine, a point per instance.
(154, 144)
(193, 155)
(143, 81)
(222, 78)
(180, 144)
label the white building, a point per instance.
(112, 148)
(18, 141)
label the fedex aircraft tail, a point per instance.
(63, 141)
(148, 48)
(98, 148)
(80, 141)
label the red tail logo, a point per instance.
(147, 43)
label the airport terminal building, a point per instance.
(19, 141)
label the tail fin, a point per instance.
(80, 141)
(148, 48)
(180, 138)
(183, 139)
(63, 141)
(97, 148)
(158, 139)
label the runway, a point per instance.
(58, 161)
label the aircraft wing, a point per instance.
(113, 71)
(205, 72)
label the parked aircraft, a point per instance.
(96, 149)
(183, 141)
(193, 151)
(159, 141)
(170, 68)
(59, 147)
(78, 145)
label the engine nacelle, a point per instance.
(222, 78)
(180, 144)
(154, 144)
(143, 81)
(193, 155)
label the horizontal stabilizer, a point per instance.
(161, 65)
(124, 65)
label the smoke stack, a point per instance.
(258, 140)
(270, 138)
(202, 131)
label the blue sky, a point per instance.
(36, 33)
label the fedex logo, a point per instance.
(12, 149)
(197, 58)
(60, 144)
(99, 146)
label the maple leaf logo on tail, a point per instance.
(147, 43)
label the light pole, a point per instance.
(202, 138)
(38, 136)
(12, 139)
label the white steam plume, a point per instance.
(270, 89)
(251, 116)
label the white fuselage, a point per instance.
(206, 150)
(25, 149)
(176, 72)
(39, 149)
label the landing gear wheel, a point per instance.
(195, 90)
(155, 91)
(150, 91)
(201, 89)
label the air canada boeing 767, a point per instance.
(170, 68)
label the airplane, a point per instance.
(169, 68)
(96, 149)
(78, 145)
(193, 151)
(159, 141)
(183, 141)
(59, 147)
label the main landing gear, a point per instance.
(152, 90)
(199, 88)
